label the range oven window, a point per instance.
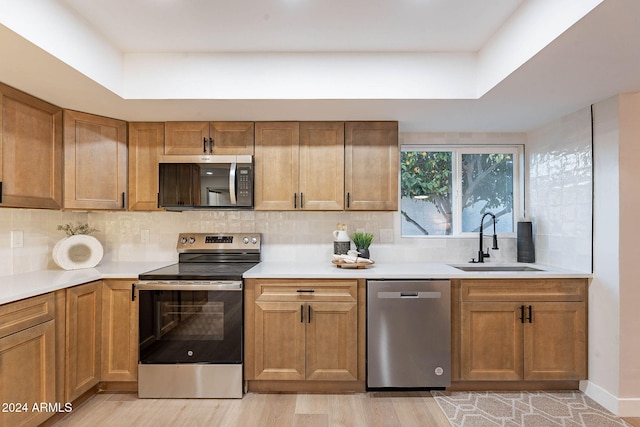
(190, 326)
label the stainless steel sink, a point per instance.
(495, 268)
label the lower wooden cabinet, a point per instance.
(119, 361)
(302, 330)
(83, 339)
(523, 330)
(27, 361)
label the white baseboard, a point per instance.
(622, 407)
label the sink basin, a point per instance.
(495, 268)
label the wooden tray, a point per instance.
(343, 264)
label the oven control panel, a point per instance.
(218, 242)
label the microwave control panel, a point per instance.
(244, 176)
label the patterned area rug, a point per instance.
(516, 409)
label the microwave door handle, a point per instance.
(232, 183)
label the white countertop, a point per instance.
(25, 285)
(326, 270)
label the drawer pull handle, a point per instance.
(530, 318)
(310, 291)
(522, 314)
(302, 314)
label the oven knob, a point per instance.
(190, 353)
(192, 240)
(183, 240)
(245, 240)
(254, 240)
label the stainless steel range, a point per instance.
(191, 316)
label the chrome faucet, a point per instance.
(481, 254)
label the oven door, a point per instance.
(190, 322)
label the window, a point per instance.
(446, 190)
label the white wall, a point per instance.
(628, 254)
(604, 291)
(614, 326)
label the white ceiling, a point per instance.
(295, 25)
(45, 52)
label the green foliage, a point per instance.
(486, 184)
(72, 230)
(362, 240)
(487, 178)
(428, 175)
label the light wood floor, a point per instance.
(277, 410)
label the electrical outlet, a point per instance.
(386, 235)
(17, 239)
(144, 236)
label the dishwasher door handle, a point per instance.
(402, 295)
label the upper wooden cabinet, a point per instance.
(95, 162)
(209, 138)
(146, 145)
(299, 165)
(371, 166)
(276, 165)
(321, 166)
(30, 151)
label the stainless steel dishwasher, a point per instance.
(408, 333)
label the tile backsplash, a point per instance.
(39, 236)
(287, 236)
(560, 191)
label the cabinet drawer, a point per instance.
(23, 314)
(523, 290)
(306, 290)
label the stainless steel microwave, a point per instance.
(206, 182)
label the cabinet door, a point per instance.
(371, 165)
(555, 342)
(232, 137)
(491, 341)
(83, 339)
(30, 151)
(146, 145)
(95, 162)
(187, 138)
(322, 166)
(276, 166)
(331, 341)
(119, 332)
(279, 341)
(27, 359)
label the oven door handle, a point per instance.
(185, 285)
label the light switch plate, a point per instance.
(17, 239)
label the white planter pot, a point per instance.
(76, 252)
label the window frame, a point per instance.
(457, 151)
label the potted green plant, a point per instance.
(362, 242)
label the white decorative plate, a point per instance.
(77, 252)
